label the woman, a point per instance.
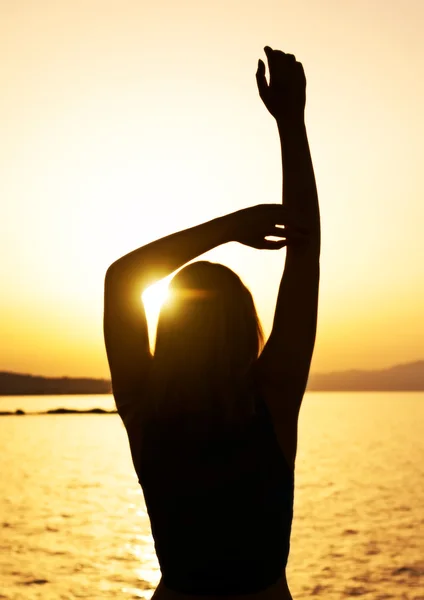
(212, 419)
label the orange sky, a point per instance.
(122, 121)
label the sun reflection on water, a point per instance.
(136, 593)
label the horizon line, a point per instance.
(351, 369)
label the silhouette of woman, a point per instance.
(212, 415)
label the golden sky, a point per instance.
(122, 121)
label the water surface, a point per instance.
(73, 523)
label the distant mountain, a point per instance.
(16, 384)
(406, 377)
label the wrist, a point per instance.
(225, 229)
(291, 123)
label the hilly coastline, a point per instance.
(405, 377)
(18, 384)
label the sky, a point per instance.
(123, 121)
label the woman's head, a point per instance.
(208, 334)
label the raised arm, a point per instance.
(285, 362)
(124, 323)
(125, 326)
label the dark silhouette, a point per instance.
(212, 416)
(20, 384)
(58, 411)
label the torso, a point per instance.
(277, 591)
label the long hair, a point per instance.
(208, 337)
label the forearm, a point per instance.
(299, 188)
(162, 257)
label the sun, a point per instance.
(153, 299)
(155, 296)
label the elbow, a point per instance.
(111, 271)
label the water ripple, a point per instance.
(75, 524)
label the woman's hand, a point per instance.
(251, 226)
(285, 94)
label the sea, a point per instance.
(73, 522)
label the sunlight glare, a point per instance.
(153, 299)
(155, 296)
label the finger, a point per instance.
(273, 244)
(270, 57)
(271, 211)
(284, 216)
(279, 57)
(261, 79)
(279, 54)
(293, 233)
(301, 72)
(275, 206)
(278, 214)
(280, 231)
